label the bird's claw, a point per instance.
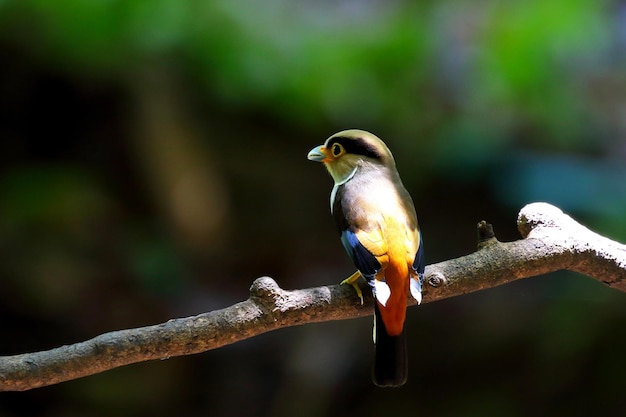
(352, 281)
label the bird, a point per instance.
(377, 223)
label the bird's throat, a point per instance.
(338, 184)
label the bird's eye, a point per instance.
(337, 149)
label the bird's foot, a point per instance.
(352, 279)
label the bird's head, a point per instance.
(344, 152)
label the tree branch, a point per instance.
(551, 241)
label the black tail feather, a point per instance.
(390, 358)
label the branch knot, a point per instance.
(486, 236)
(437, 279)
(265, 288)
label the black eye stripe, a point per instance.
(336, 149)
(355, 146)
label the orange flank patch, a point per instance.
(395, 271)
(396, 274)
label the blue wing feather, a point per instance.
(363, 259)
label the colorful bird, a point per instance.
(376, 220)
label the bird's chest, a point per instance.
(362, 205)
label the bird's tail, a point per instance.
(390, 358)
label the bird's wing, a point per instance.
(364, 248)
(368, 251)
(363, 241)
(419, 264)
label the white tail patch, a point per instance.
(416, 290)
(381, 292)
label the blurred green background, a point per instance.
(153, 164)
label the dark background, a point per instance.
(153, 164)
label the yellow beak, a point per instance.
(319, 154)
